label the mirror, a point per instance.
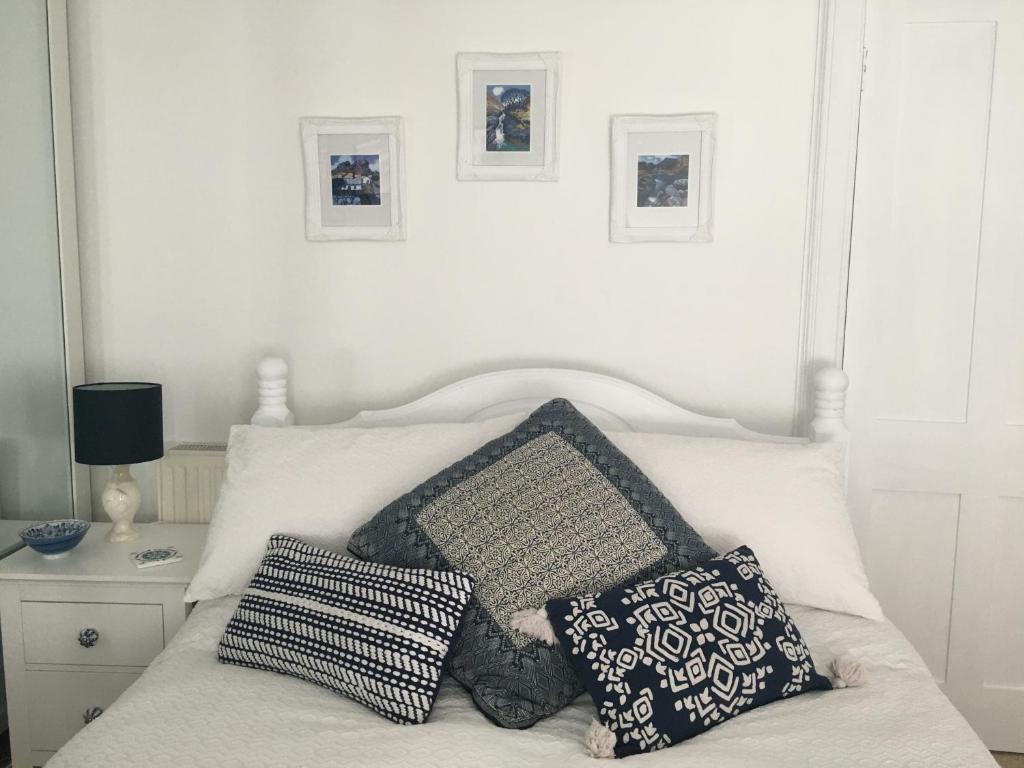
(40, 335)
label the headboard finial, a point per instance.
(829, 424)
(272, 391)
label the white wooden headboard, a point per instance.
(609, 402)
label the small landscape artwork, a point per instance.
(508, 118)
(355, 179)
(662, 181)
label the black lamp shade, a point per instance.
(118, 423)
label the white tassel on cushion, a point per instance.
(533, 622)
(847, 673)
(600, 741)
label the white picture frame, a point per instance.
(372, 150)
(641, 210)
(483, 154)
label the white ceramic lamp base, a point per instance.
(121, 500)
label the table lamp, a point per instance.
(117, 424)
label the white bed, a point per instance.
(189, 710)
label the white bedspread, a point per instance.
(189, 710)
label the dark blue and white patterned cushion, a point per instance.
(670, 658)
(552, 508)
(374, 633)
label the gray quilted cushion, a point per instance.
(549, 510)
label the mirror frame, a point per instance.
(67, 238)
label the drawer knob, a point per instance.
(91, 714)
(88, 637)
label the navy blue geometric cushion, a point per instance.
(552, 508)
(667, 659)
(374, 633)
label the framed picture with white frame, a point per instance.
(355, 178)
(508, 116)
(661, 178)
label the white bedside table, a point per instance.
(60, 677)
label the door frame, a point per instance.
(828, 221)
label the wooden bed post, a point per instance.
(272, 390)
(829, 424)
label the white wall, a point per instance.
(191, 203)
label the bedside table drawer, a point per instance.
(54, 680)
(109, 634)
(60, 703)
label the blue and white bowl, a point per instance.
(55, 538)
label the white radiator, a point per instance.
(190, 478)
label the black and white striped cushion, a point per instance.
(378, 634)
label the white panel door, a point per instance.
(935, 343)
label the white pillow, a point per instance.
(785, 500)
(319, 485)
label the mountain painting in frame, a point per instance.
(662, 178)
(355, 176)
(508, 116)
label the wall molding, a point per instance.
(828, 224)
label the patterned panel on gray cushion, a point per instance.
(549, 510)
